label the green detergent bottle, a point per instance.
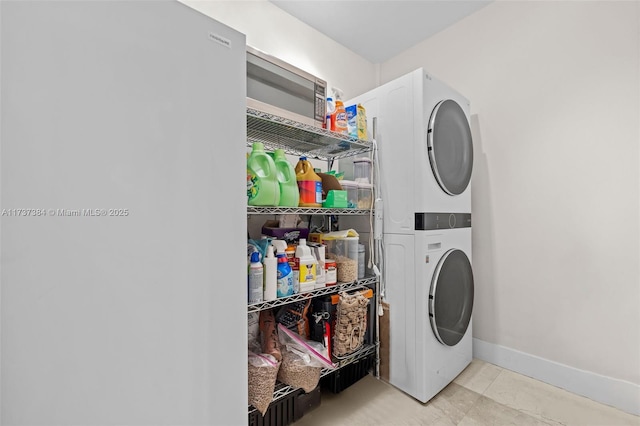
(289, 194)
(262, 180)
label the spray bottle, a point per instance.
(340, 114)
(270, 275)
(284, 273)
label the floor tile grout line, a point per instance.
(481, 395)
(492, 382)
(472, 406)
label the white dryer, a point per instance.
(430, 290)
(425, 148)
(425, 153)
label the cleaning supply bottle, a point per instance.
(255, 278)
(318, 252)
(289, 194)
(309, 184)
(307, 266)
(262, 181)
(341, 121)
(285, 277)
(270, 272)
(331, 109)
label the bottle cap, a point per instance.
(255, 257)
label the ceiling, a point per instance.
(379, 30)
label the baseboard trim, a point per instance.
(617, 393)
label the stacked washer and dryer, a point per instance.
(425, 155)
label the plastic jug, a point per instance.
(289, 195)
(307, 268)
(262, 180)
(309, 184)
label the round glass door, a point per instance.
(451, 297)
(450, 147)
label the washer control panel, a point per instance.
(431, 221)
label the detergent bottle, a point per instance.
(341, 121)
(262, 180)
(307, 268)
(309, 184)
(289, 194)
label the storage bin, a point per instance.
(287, 234)
(346, 376)
(306, 402)
(344, 251)
(362, 170)
(352, 193)
(280, 412)
(342, 247)
(365, 195)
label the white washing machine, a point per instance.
(425, 153)
(425, 148)
(430, 290)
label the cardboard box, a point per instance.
(315, 237)
(271, 229)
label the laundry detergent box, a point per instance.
(352, 120)
(362, 122)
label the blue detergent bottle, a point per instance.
(285, 276)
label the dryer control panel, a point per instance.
(431, 221)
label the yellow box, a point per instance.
(361, 124)
(315, 237)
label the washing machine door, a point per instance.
(451, 297)
(450, 147)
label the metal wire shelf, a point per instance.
(301, 139)
(305, 210)
(282, 390)
(354, 285)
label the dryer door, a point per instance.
(450, 147)
(451, 297)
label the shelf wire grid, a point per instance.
(354, 285)
(306, 210)
(282, 390)
(301, 139)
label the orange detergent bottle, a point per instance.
(341, 118)
(309, 184)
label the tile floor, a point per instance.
(483, 394)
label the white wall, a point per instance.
(554, 90)
(270, 29)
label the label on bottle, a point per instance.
(319, 192)
(255, 285)
(285, 284)
(253, 185)
(331, 272)
(295, 267)
(310, 191)
(341, 122)
(307, 272)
